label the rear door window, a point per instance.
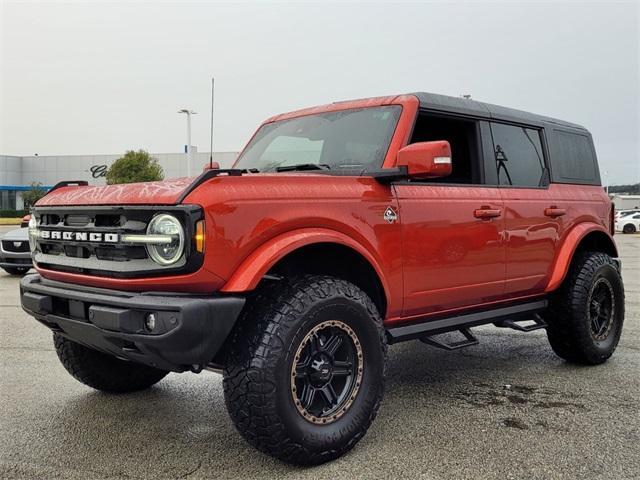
(519, 158)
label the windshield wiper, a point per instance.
(303, 166)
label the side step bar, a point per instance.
(469, 341)
(537, 324)
(506, 316)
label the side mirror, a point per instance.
(426, 159)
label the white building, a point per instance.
(626, 202)
(18, 173)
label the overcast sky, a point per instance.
(106, 77)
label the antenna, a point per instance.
(211, 137)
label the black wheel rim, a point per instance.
(327, 372)
(601, 308)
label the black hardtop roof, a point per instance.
(467, 106)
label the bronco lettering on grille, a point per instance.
(97, 237)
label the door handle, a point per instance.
(554, 212)
(486, 213)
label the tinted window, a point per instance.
(352, 139)
(8, 199)
(574, 157)
(462, 137)
(518, 154)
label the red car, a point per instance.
(340, 229)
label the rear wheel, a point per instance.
(17, 271)
(304, 376)
(586, 314)
(104, 372)
(629, 228)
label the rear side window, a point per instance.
(574, 158)
(518, 155)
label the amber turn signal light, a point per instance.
(199, 237)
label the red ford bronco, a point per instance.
(339, 230)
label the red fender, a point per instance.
(257, 264)
(568, 248)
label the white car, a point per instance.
(624, 213)
(628, 223)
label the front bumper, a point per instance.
(15, 259)
(189, 329)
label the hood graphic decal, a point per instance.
(165, 192)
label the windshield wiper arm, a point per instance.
(303, 166)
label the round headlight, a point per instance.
(33, 232)
(169, 249)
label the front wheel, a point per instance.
(104, 372)
(304, 375)
(586, 314)
(629, 228)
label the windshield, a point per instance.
(345, 140)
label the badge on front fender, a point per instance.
(390, 215)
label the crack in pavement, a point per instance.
(191, 472)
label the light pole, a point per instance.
(189, 113)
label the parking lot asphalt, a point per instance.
(507, 408)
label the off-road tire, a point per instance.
(258, 367)
(104, 372)
(16, 271)
(629, 228)
(569, 317)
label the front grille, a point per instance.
(18, 261)
(94, 222)
(120, 253)
(16, 247)
(100, 257)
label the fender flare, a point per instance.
(249, 273)
(565, 253)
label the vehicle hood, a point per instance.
(18, 235)
(167, 192)
(170, 192)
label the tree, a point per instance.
(630, 189)
(134, 167)
(31, 196)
